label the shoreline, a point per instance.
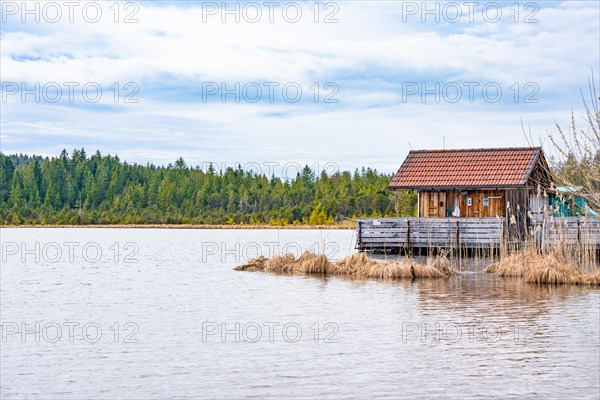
(185, 226)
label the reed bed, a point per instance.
(544, 268)
(356, 265)
(557, 251)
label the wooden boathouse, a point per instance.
(470, 199)
(476, 183)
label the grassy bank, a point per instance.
(349, 225)
(547, 268)
(533, 267)
(356, 265)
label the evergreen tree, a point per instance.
(102, 189)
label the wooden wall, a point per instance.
(441, 204)
(516, 213)
(432, 204)
(518, 201)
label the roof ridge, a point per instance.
(476, 149)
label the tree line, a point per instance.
(101, 189)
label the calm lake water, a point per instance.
(154, 314)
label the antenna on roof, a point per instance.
(410, 145)
(444, 143)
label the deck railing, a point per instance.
(409, 233)
(571, 231)
(405, 234)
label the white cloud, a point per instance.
(371, 51)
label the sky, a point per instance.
(268, 84)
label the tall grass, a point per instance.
(356, 265)
(559, 266)
(561, 258)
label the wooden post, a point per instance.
(578, 231)
(358, 237)
(543, 233)
(506, 230)
(408, 236)
(457, 238)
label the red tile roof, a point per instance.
(467, 168)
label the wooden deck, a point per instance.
(408, 235)
(571, 231)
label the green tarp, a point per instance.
(566, 203)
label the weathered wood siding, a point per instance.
(479, 209)
(571, 230)
(537, 202)
(408, 233)
(442, 204)
(517, 207)
(517, 201)
(538, 206)
(432, 204)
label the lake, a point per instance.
(160, 313)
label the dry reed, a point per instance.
(356, 265)
(547, 268)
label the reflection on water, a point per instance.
(181, 323)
